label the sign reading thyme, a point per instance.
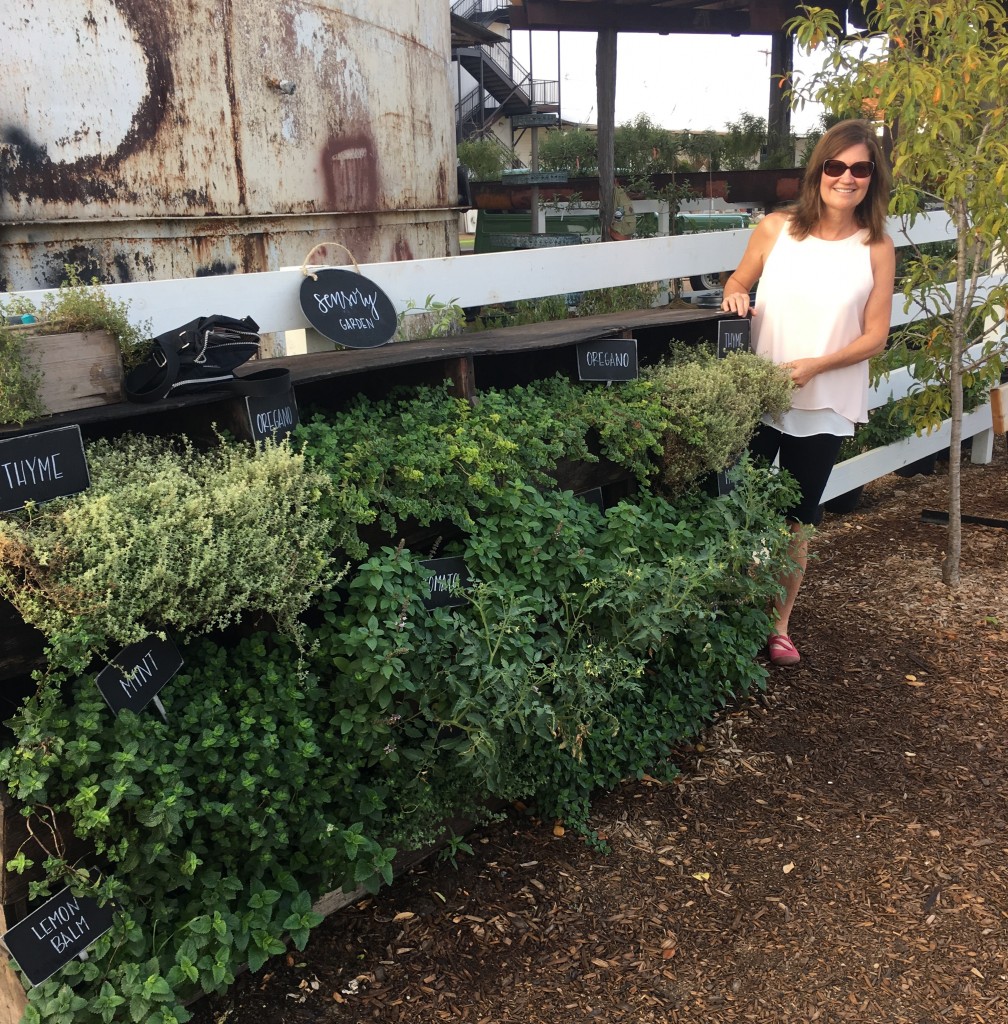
(272, 417)
(51, 936)
(732, 336)
(348, 308)
(607, 359)
(138, 672)
(43, 466)
(448, 579)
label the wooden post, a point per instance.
(605, 84)
(463, 376)
(999, 408)
(13, 998)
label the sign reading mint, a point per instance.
(607, 359)
(348, 308)
(447, 582)
(272, 417)
(137, 673)
(51, 936)
(732, 336)
(43, 466)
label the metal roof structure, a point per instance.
(471, 33)
(720, 17)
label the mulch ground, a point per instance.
(835, 850)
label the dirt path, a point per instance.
(836, 851)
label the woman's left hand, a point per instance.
(802, 371)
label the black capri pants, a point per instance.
(809, 460)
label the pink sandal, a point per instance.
(781, 650)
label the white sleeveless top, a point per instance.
(810, 300)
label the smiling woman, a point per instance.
(826, 270)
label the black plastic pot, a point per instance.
(922, 467)
(847, 502)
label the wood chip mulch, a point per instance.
(835, 850)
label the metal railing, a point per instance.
(546, 92)
(467, 8)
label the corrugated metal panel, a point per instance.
(179, 137)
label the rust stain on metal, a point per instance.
(402, 250)
(350, 170)
(229, 79)
(444, 195)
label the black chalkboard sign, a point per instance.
(51, 936)
(607, 359)
(348, 308)
(593, 496)
(272, 417)
(136, 674)
(447, 582)
(732, 336)
(43, 466)
(724, 483)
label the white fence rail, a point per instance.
(271, 299)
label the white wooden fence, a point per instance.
(271, 299)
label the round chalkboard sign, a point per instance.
(348, 308)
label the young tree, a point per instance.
(936, 75)
(746, 138)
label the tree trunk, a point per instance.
(950, 567)
(779, 107)
(605, 82)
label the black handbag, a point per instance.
(202, 356)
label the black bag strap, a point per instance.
(154, 379)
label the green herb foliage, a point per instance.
(427, 457)
(167, 537)
(588, 645)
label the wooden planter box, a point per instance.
(79, 370)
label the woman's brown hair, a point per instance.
(872, 211)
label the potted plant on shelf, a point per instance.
(67, 352)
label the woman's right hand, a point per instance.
(737, 302)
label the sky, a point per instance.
(698, 82)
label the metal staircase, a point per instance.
(504, 88)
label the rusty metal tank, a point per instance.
(148, 139)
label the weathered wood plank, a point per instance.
(13, 998)
(316, 367)
(79, 370)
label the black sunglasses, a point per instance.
(860, 169)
